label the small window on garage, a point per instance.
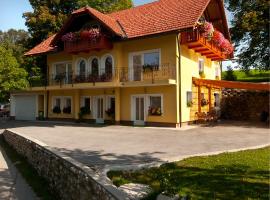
(155, 105)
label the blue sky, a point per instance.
(11, 13)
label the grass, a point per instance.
(239, 175)
(252, 76)
(39, 185)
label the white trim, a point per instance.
(90, 59)
(199, 61)
(102, 63)
(98, 120)
(61, 62)
(133, 106)
(82, 101)
(108, 102)
(77, 62)
(62, 102)
(155, 95)
(130, 65)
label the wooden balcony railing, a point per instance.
(87, 45)
(196, 41)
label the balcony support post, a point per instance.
(199, 99)
(76, 104)
(117, 105)
(209, 97)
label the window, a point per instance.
(151, 58)
(85, 102)
(108, 65)
(56, 105)
(94, 66)
(81, 68)
(62, 104)
(57, 102)
(217, 72)
(67, 105)
(155, 105)
(63, 72)
(189, 99)
(201, 66)
(217, 100)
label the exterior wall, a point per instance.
(169, 103)
(168, 93)
(189, 69)
(121, 51)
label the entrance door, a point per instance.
(139, 107)
(99, 110)
(136, 68)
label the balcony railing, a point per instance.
(120, 75)
(196, 41)
(87, 45)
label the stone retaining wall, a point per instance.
(67, 177)
(244, 104)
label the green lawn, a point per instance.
(252, 76)
(239, 175)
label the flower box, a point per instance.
(56, 110)
(154, 111)
(67, 110)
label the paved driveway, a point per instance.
(121, 145)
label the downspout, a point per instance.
(179, 78)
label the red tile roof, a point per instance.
(43, 47)
(158, 17)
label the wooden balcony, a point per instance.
(78, 46)
(196, 41)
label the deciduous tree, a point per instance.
(250, 32)
(11, 75)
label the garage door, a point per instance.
(25, 107)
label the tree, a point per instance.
(12, 77)
(229, 74)
(250, 32)
(16, 41)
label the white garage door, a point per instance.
(25, 107)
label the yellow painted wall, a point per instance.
(189, 69)
(169, 102)
(121, 51)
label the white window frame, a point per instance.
(187, 96)
(90, 64)
(62, 102)
(102, 64)
(82, 103)
(78, 67)
(108, 102)
(203, 65)
(66, 63)
(217, 71)
(130, 65)
(148, 102)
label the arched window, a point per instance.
(94, 66)
(108, 65)
(81, 67)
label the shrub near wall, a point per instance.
(244, 104)
(67, 177)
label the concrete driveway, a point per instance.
(120, 146)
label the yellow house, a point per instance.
(135, 66)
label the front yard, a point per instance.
(239, 175)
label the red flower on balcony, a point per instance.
(68, 37)
(91, 34)
(207, 29)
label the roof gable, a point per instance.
(157, 17)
